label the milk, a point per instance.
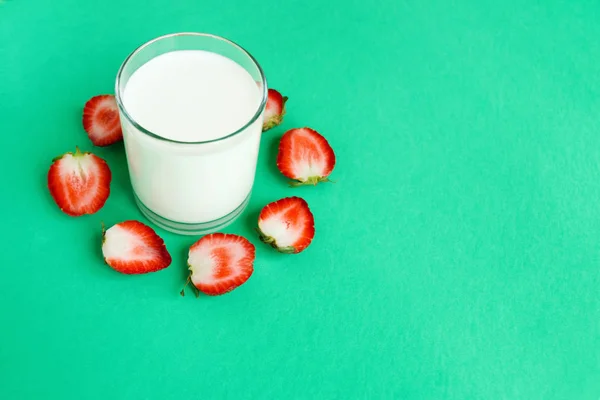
(191, 96)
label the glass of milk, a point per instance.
(191, 108)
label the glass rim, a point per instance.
(124, 112)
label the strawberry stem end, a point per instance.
(194, 288)
(313, 181)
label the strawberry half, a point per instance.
(275, 109)
(79, 183)
(131, 247)
(287, 225)
(305, 156)
(219, 263)
(101, 120)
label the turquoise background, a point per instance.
(457, 257)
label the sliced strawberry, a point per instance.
(275, 110)
(131, 247)
(305, 156)
(287, 225)
(219, 263)
(101, 120)
(79, 183)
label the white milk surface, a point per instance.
(192, 96)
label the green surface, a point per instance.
(457, 257)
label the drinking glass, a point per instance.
(191, 187)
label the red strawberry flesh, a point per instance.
(305, 156)
(287, 225)
(220, 262)
(275, 109)
(79, 183)
(132, 247)
(101, 120)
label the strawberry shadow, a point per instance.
(250, 223)
(272, 146)
(116, 158)
(47, 197)
(97, 237)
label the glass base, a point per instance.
(183, 228)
